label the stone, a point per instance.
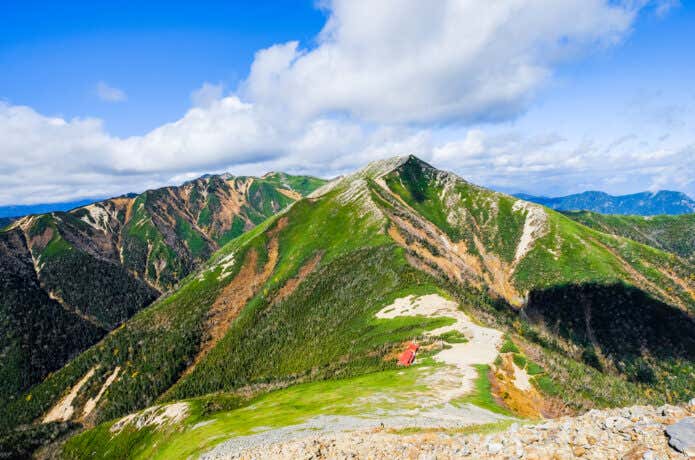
(669, 410)
(649, 455)
(578, 451)
(682, 436)
(494, 447)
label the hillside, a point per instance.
(674, 234)
(642, 204)
(296, 324)
(68, 278)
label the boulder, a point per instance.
(682, 436)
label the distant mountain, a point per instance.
(641, 204)
(42, 208)
(68, 278)
(328, 293)
(5, 221)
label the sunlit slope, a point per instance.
(294, 299)
(68, 278)
(674, 234)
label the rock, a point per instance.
(494, 447)
(669, 410)
(578, 451)
(682, 436)
(649, 455)
(618, 423)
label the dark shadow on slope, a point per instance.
(636, 333)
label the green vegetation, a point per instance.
(674, 234)
(482, 394)
(22, 443)
(303, 185)
(202, 429)
(509, 347)
(324, 330)
(453, 337)
(608, 320)
(100, 265)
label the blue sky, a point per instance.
(100, 100)
(52, 53)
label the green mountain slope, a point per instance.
(674, 234)
(70, 277)
(294, 301)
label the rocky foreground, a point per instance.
(638, 432)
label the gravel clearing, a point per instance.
(635, 433)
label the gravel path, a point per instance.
(635, 433)
(448, 416)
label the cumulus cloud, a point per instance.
(552, 165)
(207, 94)
(398, 61)
(109, 93)
(384, 78)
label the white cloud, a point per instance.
(109, 93)
(397, 61)
(552, 165)
(207, 94)
(663, 7)
(383, 80)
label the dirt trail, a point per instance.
(429, 406)
(481, 348)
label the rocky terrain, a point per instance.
(632, 433)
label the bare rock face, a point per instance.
(682, 436)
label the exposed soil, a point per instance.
(63, 410)
(292, 284)
(236, 294)
(512, 386)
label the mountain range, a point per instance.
(643, 204)
(68, 278)
(293, 304)
(15, 211)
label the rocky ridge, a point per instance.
(632, 433)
